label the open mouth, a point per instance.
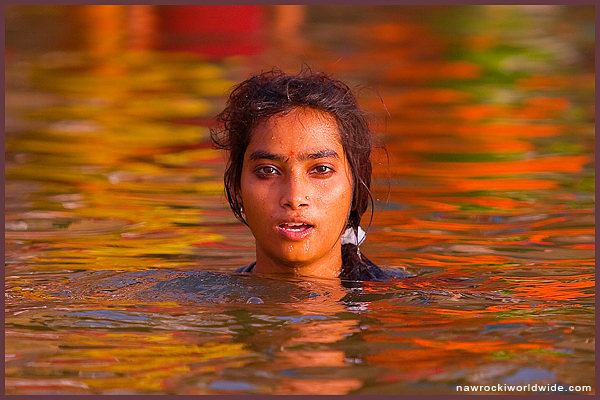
(295, 231)
(295, 226)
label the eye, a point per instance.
(266, 171)
(323, 170)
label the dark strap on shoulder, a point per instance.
(247, 268)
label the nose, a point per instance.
(295, 193)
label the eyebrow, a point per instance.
(262, 155)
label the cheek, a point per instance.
(255, 196)
(337, 198)
(247, 192)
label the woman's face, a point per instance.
(296, 191)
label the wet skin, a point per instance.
(296, 191)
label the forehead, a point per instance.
(300, 129)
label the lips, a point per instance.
(295, 230)
(295, 226)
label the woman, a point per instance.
(299, 173)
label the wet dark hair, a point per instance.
(272, 93)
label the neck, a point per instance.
(326, 267)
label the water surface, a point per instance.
(119, 246)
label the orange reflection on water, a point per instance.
(490, 205)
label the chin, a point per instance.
(296, 261)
